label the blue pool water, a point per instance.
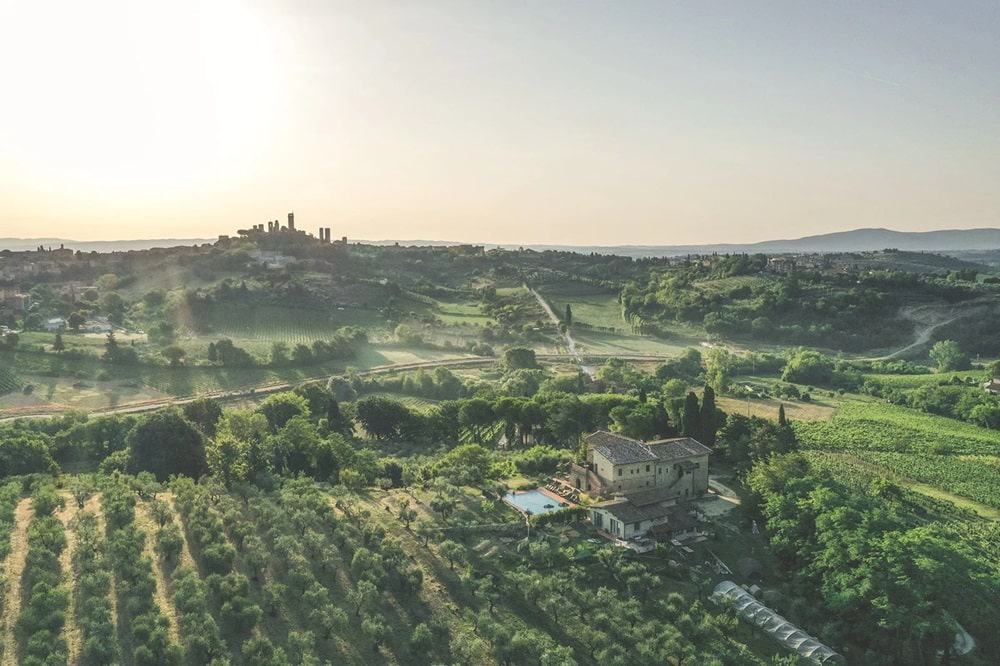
(534, 501)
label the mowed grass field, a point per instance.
(595, 309)
(591, 305)
(817, 410)
(461, 313)
(291, 325)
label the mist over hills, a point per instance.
(21, 244)
(857, 240)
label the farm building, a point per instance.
(55, 324)
(651, 512)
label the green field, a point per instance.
(461, 313)
(592, 306)
(730, 283)
(596, 342)
(291, 325)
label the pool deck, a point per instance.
(558, 499)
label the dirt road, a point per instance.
(570, 342)
(928, 318)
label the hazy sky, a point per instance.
(507, 121)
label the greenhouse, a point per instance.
(728, 593)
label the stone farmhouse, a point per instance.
(644, 485)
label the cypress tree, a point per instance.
(568, 319)
(782, 421)
(691, 419)
(709, 424)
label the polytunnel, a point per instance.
(728, 593)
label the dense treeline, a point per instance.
(737, 296)
(885, 582)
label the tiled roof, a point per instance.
(677, 448)
(627, 512)
(621, 450)
(618, 449)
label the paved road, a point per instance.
(266, 389)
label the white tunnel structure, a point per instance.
(728, 593)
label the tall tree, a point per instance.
(166, 443)
(709, 418)
(568, 319)
(691, 417)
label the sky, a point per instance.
(605, 123)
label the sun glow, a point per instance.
(139, 98)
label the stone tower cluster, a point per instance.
(274, 227)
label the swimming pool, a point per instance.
(534, 502)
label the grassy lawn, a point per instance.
(590, 305)
(292, 325)
(455, 313)
(595, 342)
(818, 410)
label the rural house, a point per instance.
(645, 483)
(617, 464)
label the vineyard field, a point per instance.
(904, 382)
(913, 446)
(884, 427)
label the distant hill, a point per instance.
(20, 244)
(858, 240)
(949, 240)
